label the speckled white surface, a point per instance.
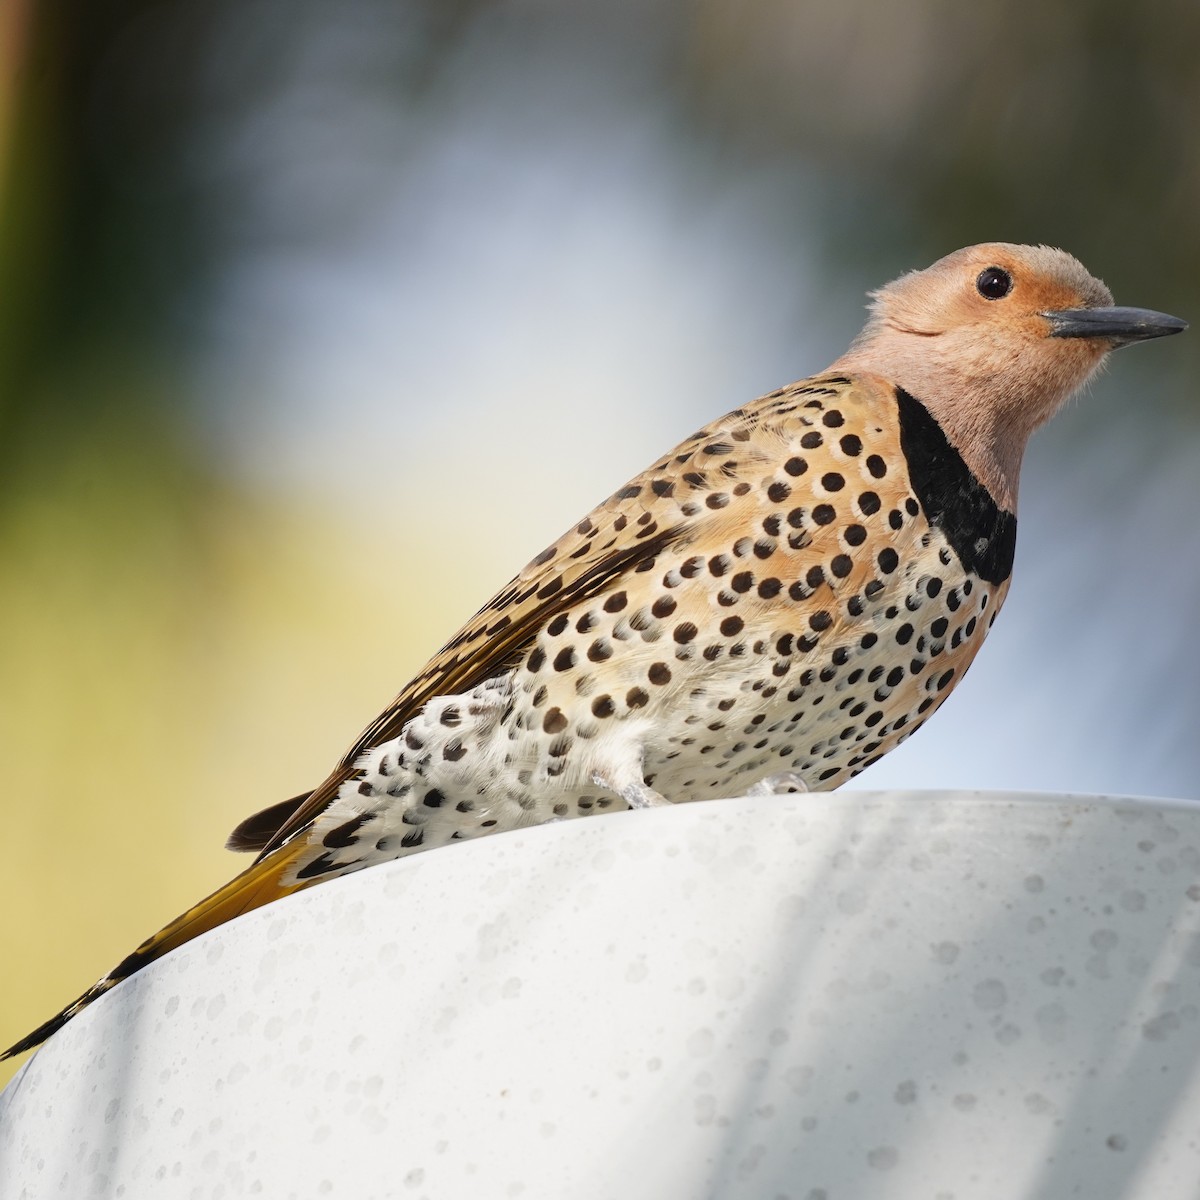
(947, 997)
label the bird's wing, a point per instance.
(625, 533)
(698, 492)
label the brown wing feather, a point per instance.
(259, 828)
(618, 536)
(494, 638)
(580, 564)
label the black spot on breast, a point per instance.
(558, 625)
(346, 834)
(600, 650)
(555, 720)
(319, 866)
(629, 492)
(795, 466)
(810, 441)
(640, 620)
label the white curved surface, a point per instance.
(815, 997)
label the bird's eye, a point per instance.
(994, 283)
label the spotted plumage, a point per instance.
(772, 606)
(785, 606)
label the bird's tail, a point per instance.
(254, 887)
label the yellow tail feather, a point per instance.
(254, 887)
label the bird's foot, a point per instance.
(635, 792)
(641, 795)
(783, 784)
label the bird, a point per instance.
(769, 608)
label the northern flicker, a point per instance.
(770, 607)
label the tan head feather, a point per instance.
(987, 366)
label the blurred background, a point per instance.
(305, 308)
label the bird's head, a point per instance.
(993, 339)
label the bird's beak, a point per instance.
(1117, 325)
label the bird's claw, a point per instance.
(783, 784)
